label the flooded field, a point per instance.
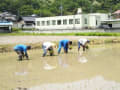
(96, 69)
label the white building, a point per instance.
(80, 21)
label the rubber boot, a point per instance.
(20, 58)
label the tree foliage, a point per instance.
(57, 7)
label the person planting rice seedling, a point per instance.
(84, 43)
(48, 46)
(66, 44)
(21, 50)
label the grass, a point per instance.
(18, 32)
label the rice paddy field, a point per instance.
(96, 69)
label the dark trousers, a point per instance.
(20, 54)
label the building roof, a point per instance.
(5, 23)
(8, 16)
(117, 12)
(111, 20)
(28, 18)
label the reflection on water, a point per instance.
(96, 83)
(82, 59)
(21, 73)
(62, 61)
(22, 68)
(48, 67)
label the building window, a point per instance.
(77, 21)
(53, 22)
(86, 21)
(43, 23)
(96, 22)
(65, 21)
(48, 22)
(58, 22)
(70, 21)
(38, 23)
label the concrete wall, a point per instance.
(96, 18)
(73, 31)
(66, 31)
(112, 30)
(91, 20)
(59, 18)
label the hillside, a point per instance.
(57, 7)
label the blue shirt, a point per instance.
(64, 44)
(21, 48)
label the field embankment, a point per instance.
(8, 42)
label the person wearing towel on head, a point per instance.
(65, 44)
(84, 43)
(21, 50)
(48, 46)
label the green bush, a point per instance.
(16, 29)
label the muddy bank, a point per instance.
(37, 39)
(8, 42)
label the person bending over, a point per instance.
(65, 44)
(83, 43)
(21, 51)
(48, 46)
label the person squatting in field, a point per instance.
(48, 46)
(21, 50)
(66, 44)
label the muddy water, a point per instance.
(96, 69)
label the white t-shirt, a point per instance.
(48, 44)
(82, 41)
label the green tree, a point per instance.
(26, 10)
(53, 7)
(117, 7)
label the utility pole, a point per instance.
(91, 9)
(61, 8)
